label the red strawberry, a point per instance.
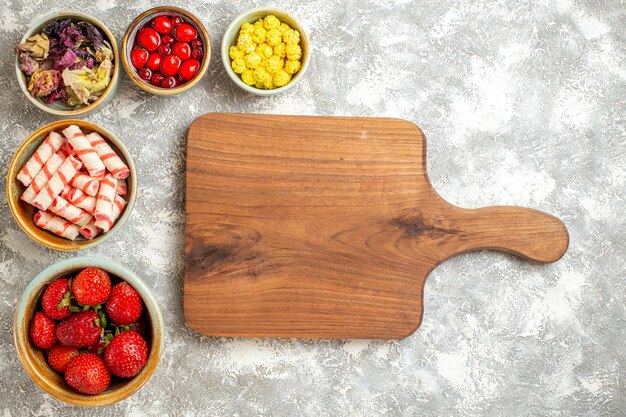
(42, 331)
(56, 299)
(91, 286)
(87, 374)
(124, 305)
(80, 330)
(126, 355)
(59, 356)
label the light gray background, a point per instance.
(521, 102)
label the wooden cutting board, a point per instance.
(326, 227)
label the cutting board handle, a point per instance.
(524, 232)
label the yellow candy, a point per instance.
(274, 63)
(258, 36)
(260, 75)
(273, 37)
(261, 50)
(246, 28)
(291, 67)
(268, 84)
(294, 53)
(239, 65)
(265, 50)
(248, 77)
(253, 60)
(291, 37)
(244, 41)
(281, 78)
(280, 50)
(271, 22)
(235, 52)
(284, 27)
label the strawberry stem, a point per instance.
(75, 309)
(103, 319)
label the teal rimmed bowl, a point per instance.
(62, 109)
(33, 358)
(251, 16)
(23, 212)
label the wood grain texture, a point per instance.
(326, 227)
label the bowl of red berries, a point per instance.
(88, 331)
(166, 50)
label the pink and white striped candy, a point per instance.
(68, 149)
(57, 182)
(118, 207)
(85, 183)
(56, 225)
(90, 230)
(81, 200)
(105, 198)
(49, 147)
(65, 191)
(62, 207)
(122, 189)
(54, 162)
(85, 151)
(111, 159)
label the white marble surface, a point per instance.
(521, 102)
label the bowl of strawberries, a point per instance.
(88, 331)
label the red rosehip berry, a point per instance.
(149, 39)
(157, 79)
(169, 82)
(144, 74)
(189, 69)
(197, 53)
(170, 65)
(176, 20)
(181, 50)
(162, 24)
(196, 43)
(139, 57)
(185, 32)
(154, 61)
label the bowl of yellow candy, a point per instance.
(265, 51)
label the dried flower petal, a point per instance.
(36, 46)
(84, 85)
(43, 82)
(27, 64)
(103, 49)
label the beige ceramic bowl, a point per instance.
(251, 16)
(139, 22)
(23, 212)
(33, 359)
(62, 109)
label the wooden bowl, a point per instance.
(140, 21)
(33, 359)
(62, 109)
(23, 212)
(251, 16)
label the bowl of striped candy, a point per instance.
(71, 185)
